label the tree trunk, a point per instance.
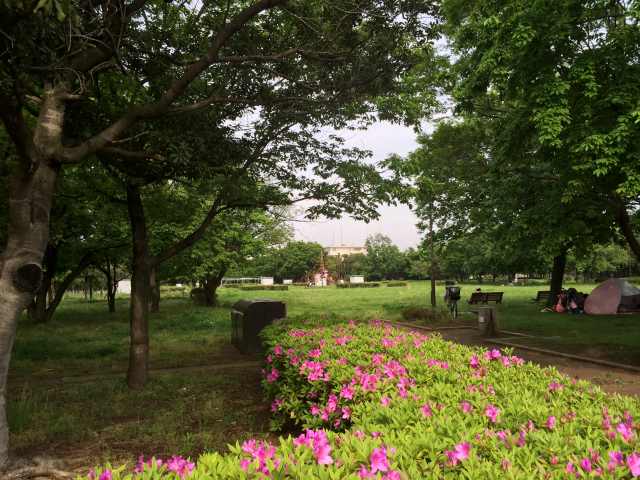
(30, 199)
(154, 290)
(38, 308)
(557, 276)
(433, 260)
(139, 327)
(210, 286)
(112, 285)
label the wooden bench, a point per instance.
(485, 297)
(542, 296)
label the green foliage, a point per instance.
(559, 83)
(296, 260)
(384, 260)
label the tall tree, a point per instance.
(561, 79)
(127, 64)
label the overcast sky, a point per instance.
(396, 222)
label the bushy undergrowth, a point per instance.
(397, 284)
(374, 401)
(358, 285)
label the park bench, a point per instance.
(542, 296)
(485, 297)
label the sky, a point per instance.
(396, 222)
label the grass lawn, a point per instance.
(617, 337)
(191, 411)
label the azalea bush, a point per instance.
(374, 401)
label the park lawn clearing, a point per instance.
(608, 337)
(374, 401)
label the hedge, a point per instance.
(397, 284)
(378, 402)
(358, 285)
(265, 287)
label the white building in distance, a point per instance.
(345, 250)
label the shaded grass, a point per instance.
(84, 338)
(174, 414)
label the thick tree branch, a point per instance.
(131, 155)
(624, 222)
(179, 86)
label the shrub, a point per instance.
(265, 287)
(358, 285)
(397, 284)
(380, 402)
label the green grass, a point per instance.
(191, 411)
(84, 338)
(517, 313)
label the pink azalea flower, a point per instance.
(276, 404)
(184, 467)
(346, 413)
(369, 382)
(625, 431)
(346, 392)
(474, 362)
(585, 464)
(506, 464)
(392, 475)
(616, 459)
(277, 350)
(466, 407)
(318, 442)
(379, 461)
(273, 375)
(106, 475)
(459, 453)
(633, 462)
(426, 410)
(365, 473)
(492, 413)
(555, 386)
(551, 422)
(377, 359)
(315, 353)
(385, 401)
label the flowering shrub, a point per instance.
(377, 402)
